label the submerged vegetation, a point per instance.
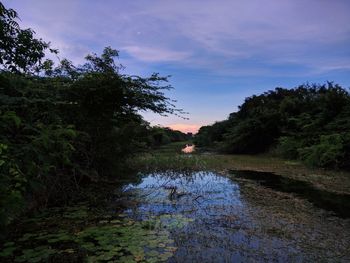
(174, 216)
(86, 234)
(84, 178)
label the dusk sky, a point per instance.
(217, 52)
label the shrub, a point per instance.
(329, 152)
(288, 147)
(12, 188)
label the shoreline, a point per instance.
(170, 157)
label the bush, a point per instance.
(12, 188)
(309, 122)
(329, 152)
(288, 147)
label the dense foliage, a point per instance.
(161, 136)
(310, 123)
(64, 126)
(20, 51)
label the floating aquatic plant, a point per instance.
(111, 238)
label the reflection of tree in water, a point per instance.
(227, 223)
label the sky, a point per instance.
(217, 52)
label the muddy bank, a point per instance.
(184, 217)
(170, 158)
(339, 204)
(328, 180)
(236, 220)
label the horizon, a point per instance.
(217, 53)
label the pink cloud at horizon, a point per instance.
(185, 127)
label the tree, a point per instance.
(309, 122)
(20, 51)
(67, 126)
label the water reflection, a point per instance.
(189, 148)
(337, 203)
(225, 223)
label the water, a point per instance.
(227, 220)
(190, 217)
(189, 148)
(334, 202)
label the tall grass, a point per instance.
(169, 157)
(164, 162)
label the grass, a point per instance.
(169, 157)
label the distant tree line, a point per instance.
(310, 123)
(65, 126)
(163, 135)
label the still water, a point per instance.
(230, 219)
(189, 148)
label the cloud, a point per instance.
(262, 32)
(155, 54)
(218, 36)
(216, 51)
